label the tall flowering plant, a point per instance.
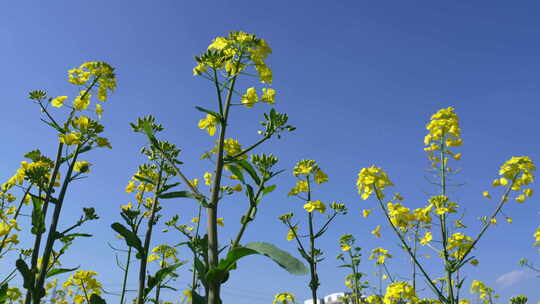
(45, 181)
(444, 135)
(228, 60)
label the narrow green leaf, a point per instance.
(143, 179)
(167, 187)
(282, 258)
(57, 271)
(216, 115)
(132, 240)
(249, 169)
(237, 172)
(176, 194)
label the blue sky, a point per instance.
(358, 79)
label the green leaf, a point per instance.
(282, 258)
(57, 271)
(216, 115)
(3, 293)
(249, 169)
(38, 218)
(197, 298)
(132, 240)
(237, 172)
(229, 262)
(167, 187)
(269, 189)
(175, 194)
(160, 275)
(143, 179)
(27, 274)
(74, 235)
(95, 299)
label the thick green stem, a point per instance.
(144, 257)
(442, 222)
(38, 291)
(212, 210)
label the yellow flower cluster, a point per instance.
(426, 238)
(25, 170)
(100, 72)
(459, 244)
(315, 205)
(442, 205)
(81, 285)
(400, 216)
(346, 241)
(482, 290)
(372, 178)
(301, 187)
(231, 147)
(284, 298)
(520, 171)
(250, 97)
(309, 167)
(232, 50)
(163, 253)
(380, 254)
(444, 132)
(397, 292)
(292, 232)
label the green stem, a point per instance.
(144, 257)
(126, 272)
(442, 222)
(213, 253)
(38, 291)
(314, 283)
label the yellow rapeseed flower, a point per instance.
(377, 231)
(315, 205)
(58, 101)
(209, 123)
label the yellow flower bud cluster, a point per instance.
(458, 244)
(520, 171)
(346, 242)
(444, 132)
(483, 291)
(380, 254)
(372, 178)
(442, 205)
(232, 51)
(284, 298)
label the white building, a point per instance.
(333, 298)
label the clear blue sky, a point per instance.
(359, 79)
